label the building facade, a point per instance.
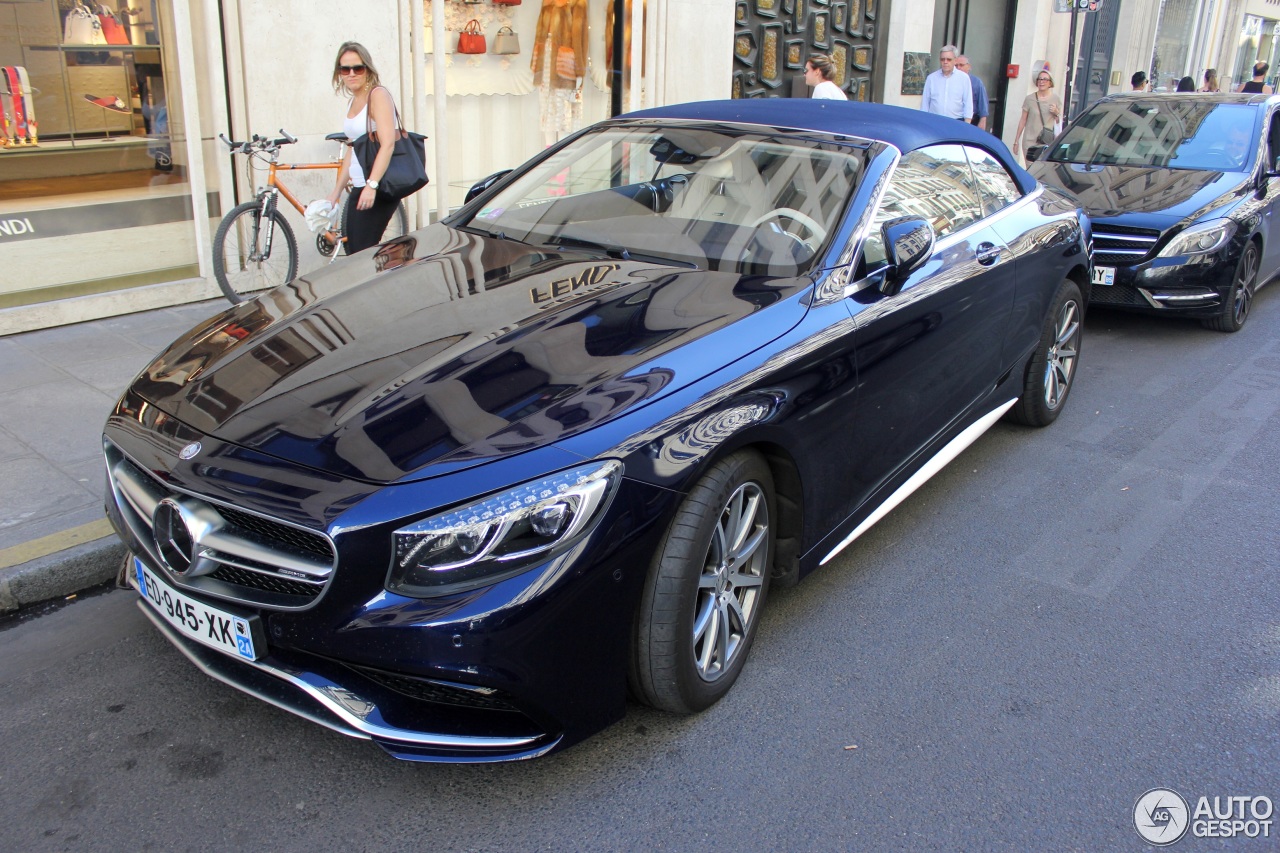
(112, 188)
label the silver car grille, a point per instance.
(1121, 246)
(236, 555)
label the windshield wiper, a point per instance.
(562, 242)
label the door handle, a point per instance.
(988, 254)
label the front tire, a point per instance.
(1235, 309)
(705, 589)
(238, 263)
(1052, 369)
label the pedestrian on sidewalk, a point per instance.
(1138, 82)
(1210, 81)
(1258, 85)
(818, 71)
(1041, 111)
(947, 91)
(981, 105)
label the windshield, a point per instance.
(713, 198)
(1170, 132)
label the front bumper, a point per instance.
(1195, 287)
(529, 664)
(339, 707)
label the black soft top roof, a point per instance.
(905, 129)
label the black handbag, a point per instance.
(407, 171)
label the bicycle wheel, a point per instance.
(238, 264)
(398, 226)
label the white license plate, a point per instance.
(1104, 275)
(211, 626)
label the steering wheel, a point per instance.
(813, 234)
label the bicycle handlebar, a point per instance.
(258, 143)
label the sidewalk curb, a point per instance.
(60, 574)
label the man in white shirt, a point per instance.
(947, 91)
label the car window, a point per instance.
(708, 196)
(934, 182)
(998, 188)
(1162, 133)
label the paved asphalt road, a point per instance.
(1060, 621)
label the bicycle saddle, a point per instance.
(337, 137)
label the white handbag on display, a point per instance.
(82, 27)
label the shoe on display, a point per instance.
(110, 102)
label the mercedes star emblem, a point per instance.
(190, 450)
(173, 538)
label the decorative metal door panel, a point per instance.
(774, 38)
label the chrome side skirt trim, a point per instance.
(940, 460)
(355, 716)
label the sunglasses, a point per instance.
(1043, 80)
(351, 69)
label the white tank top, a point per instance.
(354, 129)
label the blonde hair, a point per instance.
(371, 78)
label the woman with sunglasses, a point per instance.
(370, 107)
(1041, 111)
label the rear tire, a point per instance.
(1052, 369)
(237, 262)
(1235, 309)
(705, 589)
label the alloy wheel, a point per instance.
(1246, 275)
(1061, 361)
(730, 584)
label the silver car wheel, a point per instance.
(1061, 361)
(730, 584)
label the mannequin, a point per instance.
(561, 31)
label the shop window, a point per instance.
(90, 164)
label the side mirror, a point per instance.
(484, 184)
(908, 242)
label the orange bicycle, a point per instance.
(246, 256)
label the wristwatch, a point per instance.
(371, 183)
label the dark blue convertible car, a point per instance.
(462, 493)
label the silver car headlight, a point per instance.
(500, 535)
(1200, 239)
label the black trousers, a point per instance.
(364, 228)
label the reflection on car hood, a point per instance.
(1172, 194)
(477, 349)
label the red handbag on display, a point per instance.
(506, 2)
(112, 29)
(471, 39)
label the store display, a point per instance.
(21, 103)
(112, 29)
(471, 39)
(110, 103)
(28, 105)
(506, 42)
(82, 27)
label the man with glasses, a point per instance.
(947, 91)
(980, 107)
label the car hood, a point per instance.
(476, 349)
(1143, 197)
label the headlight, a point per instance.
(499, 535)
(1200, 239)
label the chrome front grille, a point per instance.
(1119, 246)
(236, 554)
